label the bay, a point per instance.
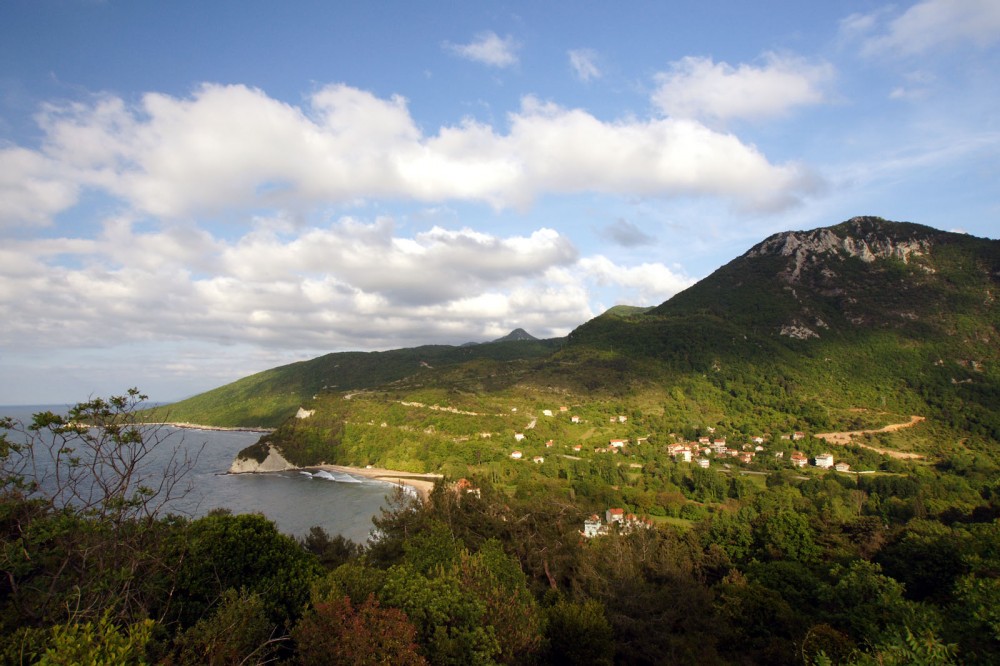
(294, 501)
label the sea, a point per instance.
(339, 503)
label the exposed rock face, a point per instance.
(864, 240)
(274, 462)
(304, 413)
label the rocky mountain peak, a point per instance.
(864, 238)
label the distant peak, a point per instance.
(516, 334)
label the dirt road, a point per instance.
(842, 438)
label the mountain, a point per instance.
(268, 398)
(868, 313)
(518, 334)
(857, 325)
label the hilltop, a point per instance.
(849, 327)
(268, 398)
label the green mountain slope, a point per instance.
(268, 398)
(853, 326)
(867, 313)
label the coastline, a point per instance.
(422, 483)
(195, 426)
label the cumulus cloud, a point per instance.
(489, 49)
(229, 148)
(33, 187)
(645, 284)
(696, 87)
(584, 64)
(928, 25)
(349, 285)
(346, 285)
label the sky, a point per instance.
(191, 192)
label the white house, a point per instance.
(617, 443)
(842, 467)
(546, 412)
(824, 460)
(538, 460)
(516, 455)
(592, 527)
(704, 463)
(518, 436)
(614, 516)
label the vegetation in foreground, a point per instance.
(785, 568)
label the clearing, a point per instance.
(843, 438)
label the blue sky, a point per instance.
(191, 192)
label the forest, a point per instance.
(779, 567)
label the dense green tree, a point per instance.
(331, 551)
(578, 634)
(452, 627)
(222, 551)
(236, 632)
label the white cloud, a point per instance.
(701, 88)
(33, 188)
(232, 148)
(931, 24)
(645, 284)
(584, 64)
(349, 285)
(489, 49)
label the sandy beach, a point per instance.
(422, 483)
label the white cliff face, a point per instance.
(274, 462)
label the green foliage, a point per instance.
(579, 633)
(451, 626)
(223, 551)
(330, 551)
(89, 644)
(237, 632)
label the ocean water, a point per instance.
(341, 504)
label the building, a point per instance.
(516, 455)
(704, 463)
(538, 460)
(592, 527)
(617, 443)
(799, 459)
(842, 467)
(614, 516)
(824, 460)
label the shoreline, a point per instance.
(195, 426)
(422, 483)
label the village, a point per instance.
(702, 452)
